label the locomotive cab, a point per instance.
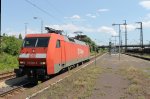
(32, 58)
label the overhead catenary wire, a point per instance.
(57, 11)
(42, 10)
(54, 7)
(46, 12)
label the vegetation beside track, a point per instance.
(9, 53)
(139, 87)
(78, 86)
(7, 62)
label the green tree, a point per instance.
(88, 41)
(4, 34)
(20, 36)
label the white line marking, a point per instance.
(36, 55)
(40, 91)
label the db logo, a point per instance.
(80, 52)
(32, 56)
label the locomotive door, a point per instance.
(63, 53)
(59, 52)
(60, 55)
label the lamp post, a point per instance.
(41, 23)
(26, 28)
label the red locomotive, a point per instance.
(45, 54)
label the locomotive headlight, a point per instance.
(42, 63)
(22, 62)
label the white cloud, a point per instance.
(97, 13)
(67, 27)
(73, 17)
(32, 31)
(109, 30)
(148, 15)
(145, 4)
(146, 24)
(131, 27)
(70, 28)
(146, 21)
(103, 10)
(91, 16)
(87, 29)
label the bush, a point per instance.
(8, 62)
(11, 45)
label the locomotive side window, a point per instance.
(58, 44)
(42, 42)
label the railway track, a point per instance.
(137, 56)
(11, 90)
(7, 75)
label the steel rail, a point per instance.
(6, 75)
(5, 93)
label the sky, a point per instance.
(93, 17)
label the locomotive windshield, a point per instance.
(36, 42)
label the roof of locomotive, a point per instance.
(74, 40)
(39, 35)
(68, 39)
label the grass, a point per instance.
(78, 86)
(146, 55)
(7, 62)
(92, 54)
(139, 82)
